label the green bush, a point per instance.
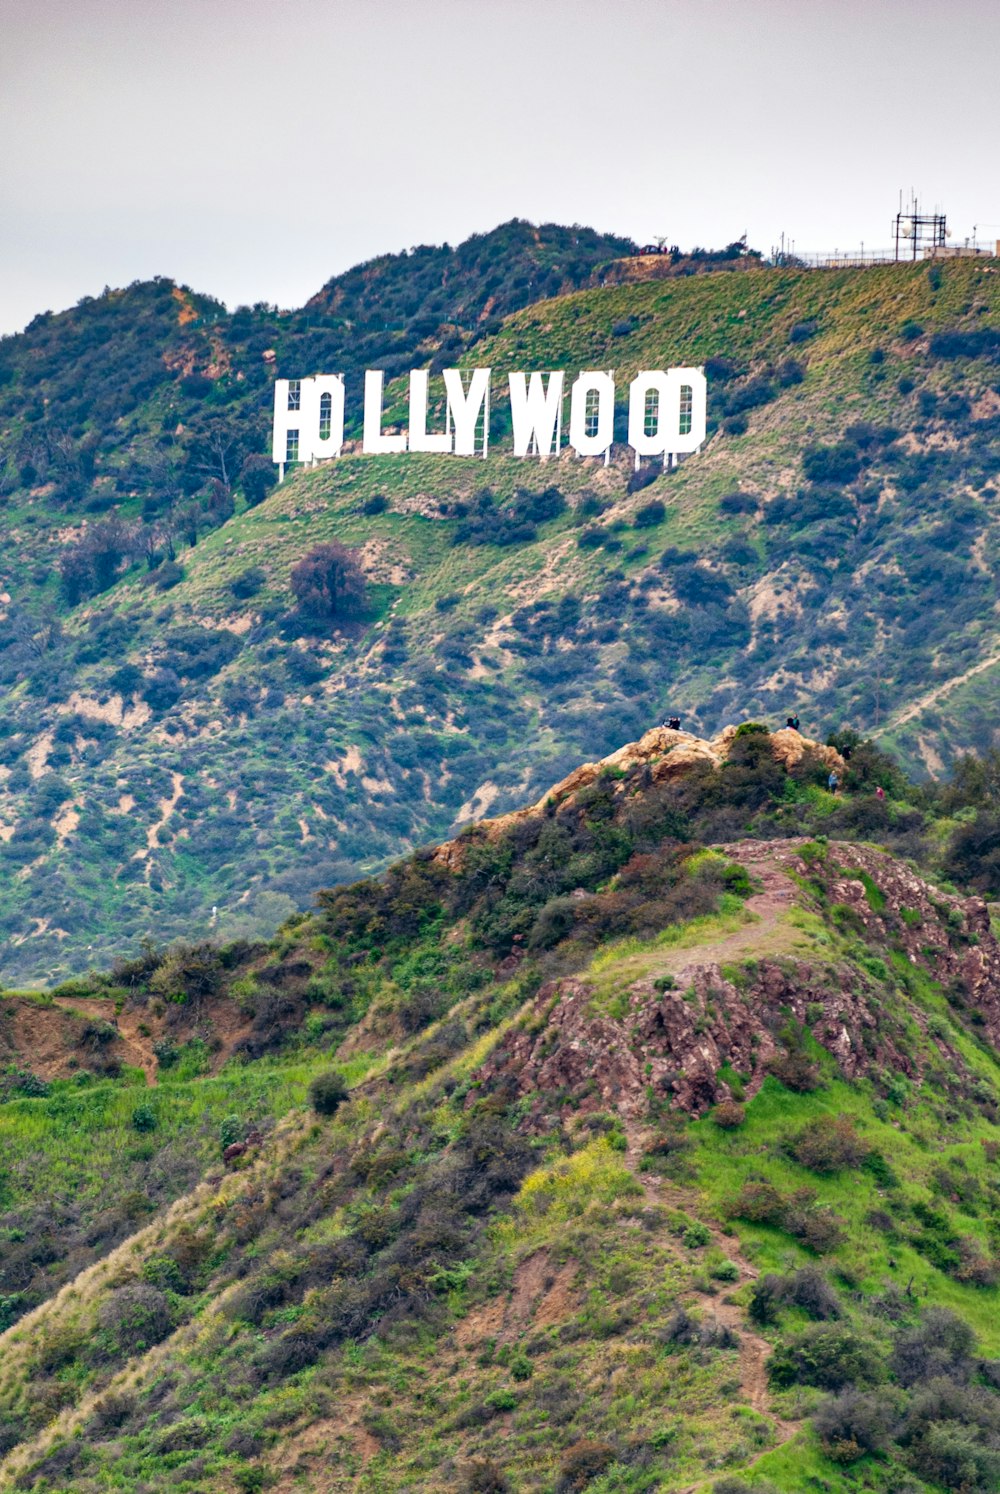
(144, 1118)
(832, 1356)
(327, 1092)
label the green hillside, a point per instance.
(645, 1140)
(178, 737)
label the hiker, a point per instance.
(792, 722)
(880, 792)
(673, 723)
(833, 782)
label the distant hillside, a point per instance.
(178, 737)
(596, 1148)
(141, 401)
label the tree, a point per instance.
(91, 565)
(257, 478)
(329, 582)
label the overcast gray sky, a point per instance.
(252, 150)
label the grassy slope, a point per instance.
(545, 1311)
(467, 722)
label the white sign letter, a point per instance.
(592, 414)
(323, 401)
(536, 412)
(374, 441)
(464, 409)
(667, 412)
(290, 434)
(419, 438)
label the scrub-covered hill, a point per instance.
(584, 1150)
(187, 729)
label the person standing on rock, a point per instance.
(833, 782)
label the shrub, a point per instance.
(257, 478)
(821, 1229)
(832, 464)
(941, 1344)
(540, 507)
(144, 1118)
(642, 477)
(951, 1436)
(248, 583)
(328, 582)
(832, 1356)
(759, 1203)
(327, 1092)
(738, 503)
(795, 1070)
(189, 971)
(162, 689)
(807, 1289)
(581, 1463)
(376, 504)
(729, 1115)
(650, 514)
(483, 1476)
(135, 1317)
(829, 1144)
(724, 1270)
(974, 853)
(854, 1423)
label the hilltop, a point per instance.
(591, 1148)
(178, 737)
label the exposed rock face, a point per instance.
(948, 936)
(668, 754)
(674, 1041)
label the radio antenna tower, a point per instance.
(917, 232)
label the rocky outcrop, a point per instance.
(667, 754)
(673, 1043)
(948, 936)
(704, 1015)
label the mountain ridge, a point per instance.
(586, 1156)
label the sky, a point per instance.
(253, 150)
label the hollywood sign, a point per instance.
(666, 415)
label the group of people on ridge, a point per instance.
(673, 723)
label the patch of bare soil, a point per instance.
(323, 1449)
(541, 1294)
(137, 1045)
